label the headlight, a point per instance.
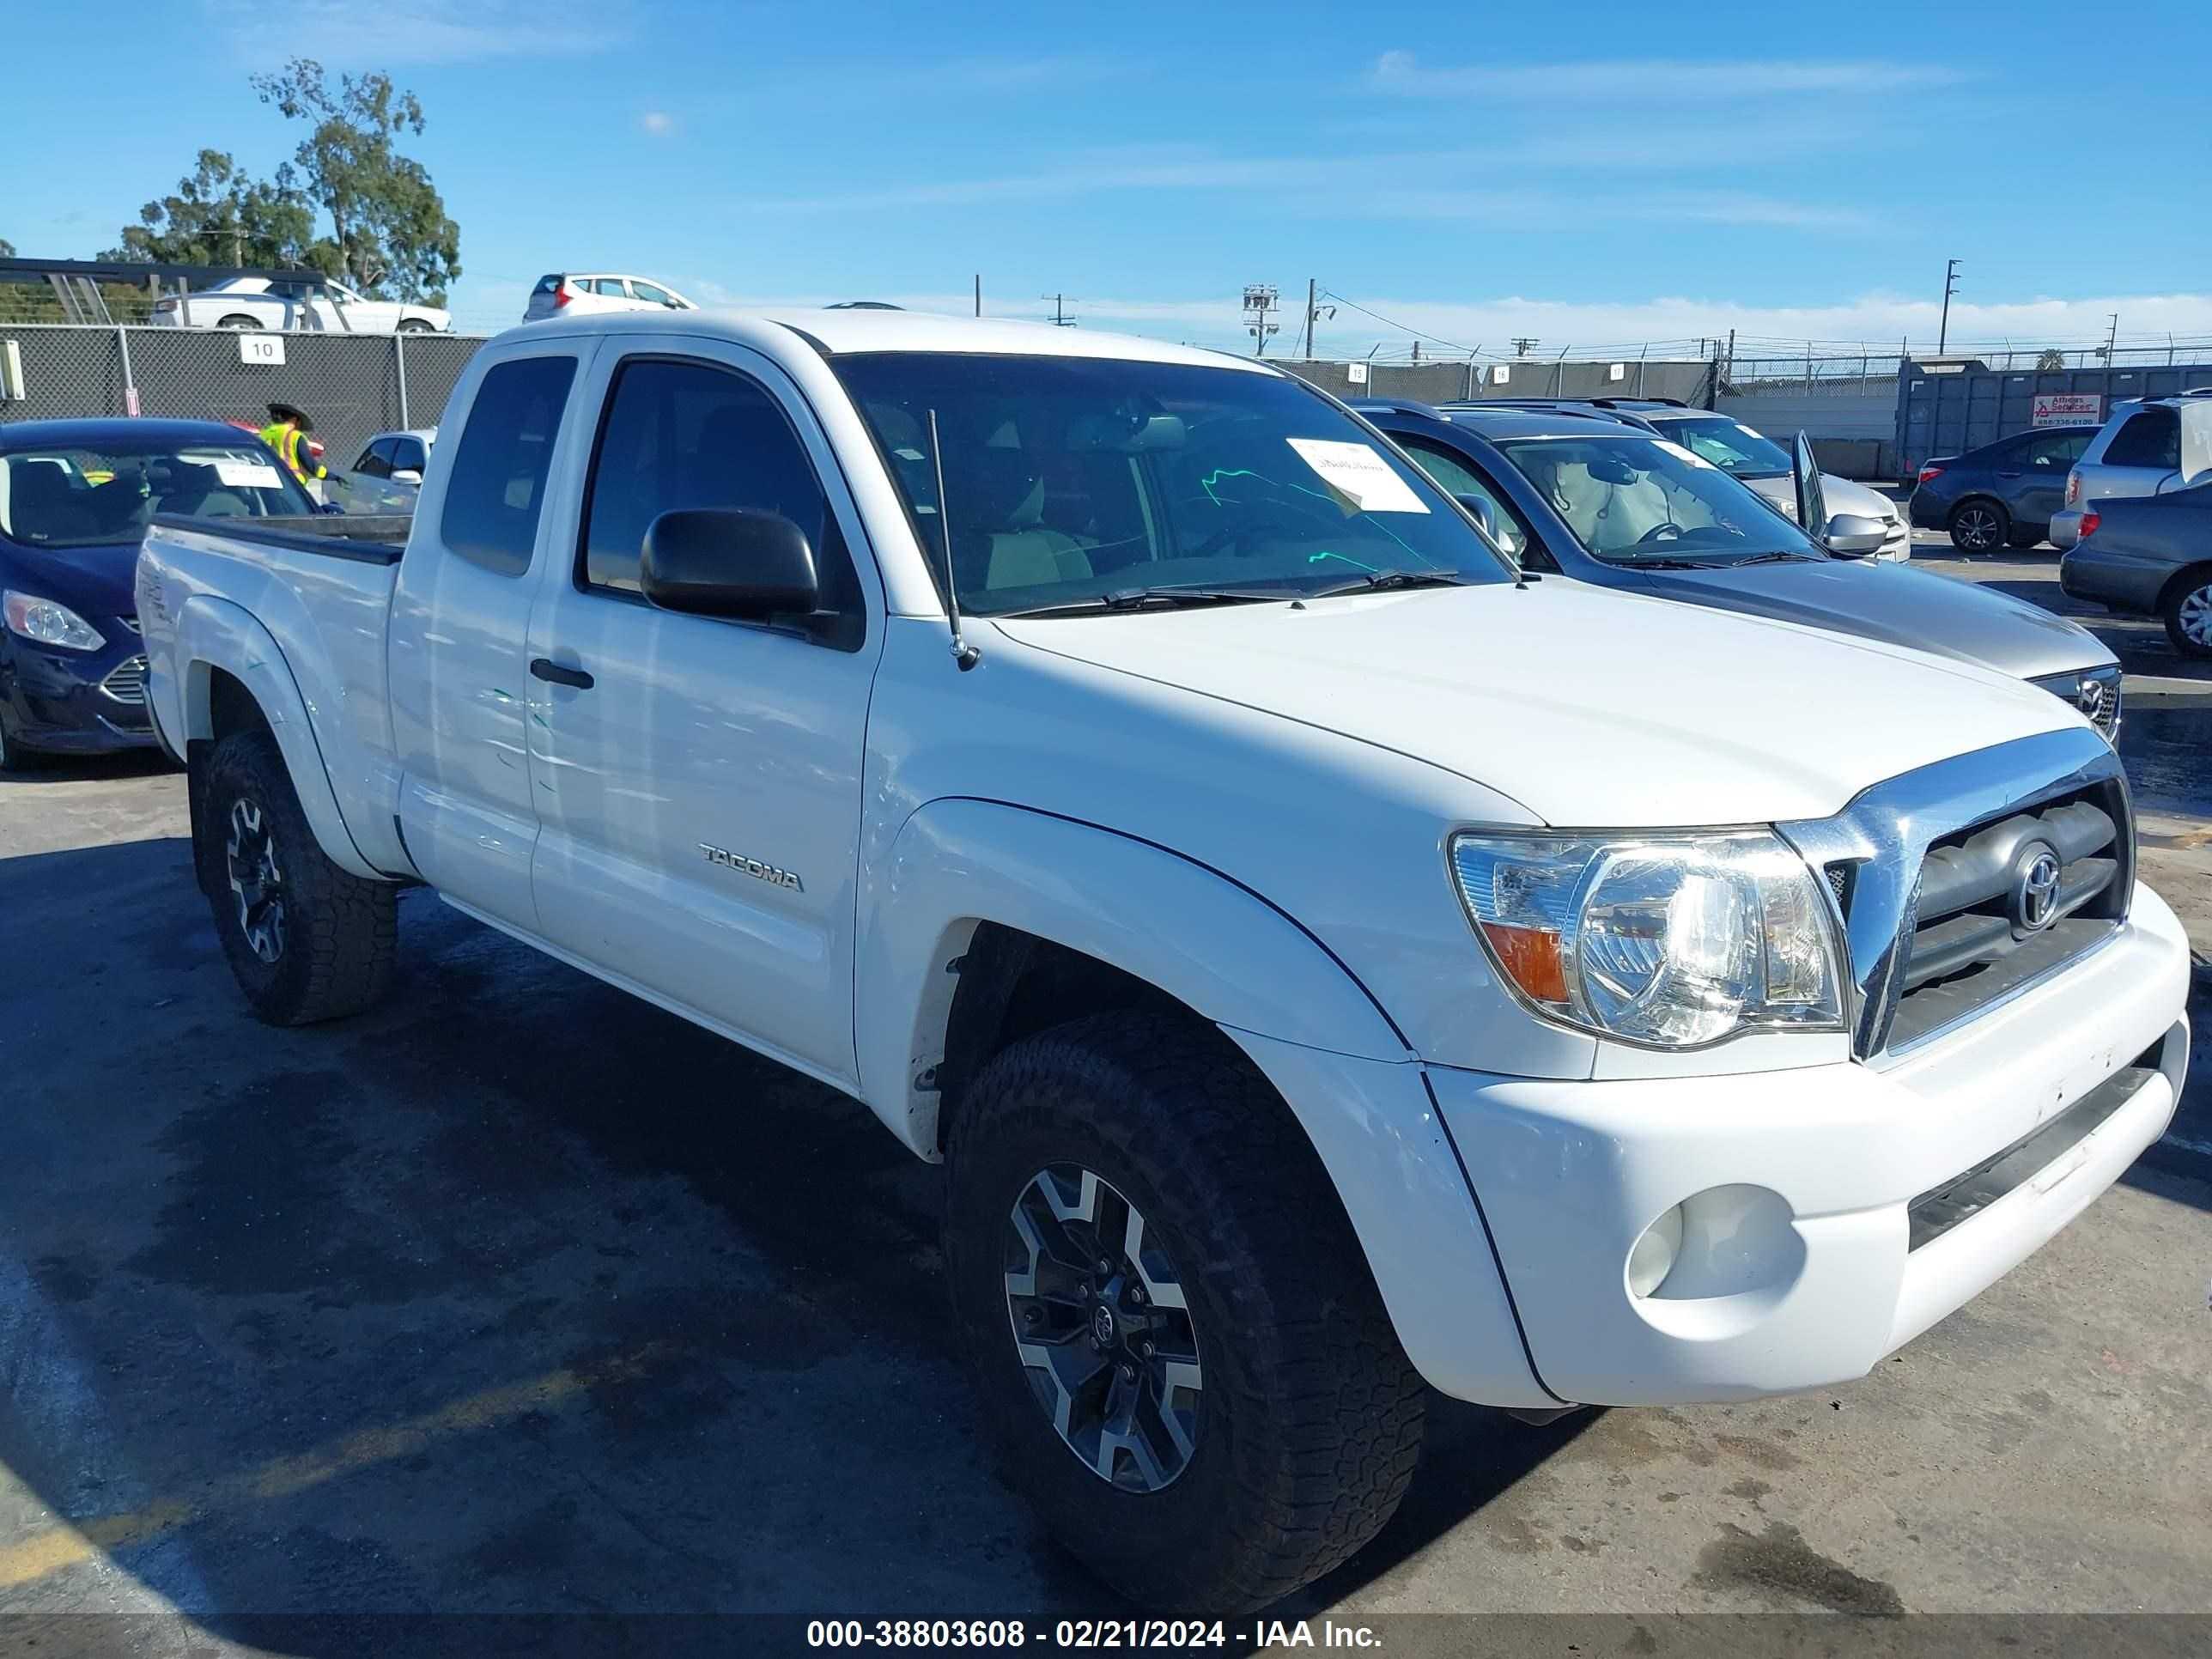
(1669, 940)
(49, 623)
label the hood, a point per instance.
(93, 581)
(1899, 605)
(1591, 707)
(1841, 494)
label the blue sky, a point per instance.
(1590, 174)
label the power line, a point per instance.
(1418, 334)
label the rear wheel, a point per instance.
(2187, 609)
(305, 940)
(1979, 526)
(415, 326)
(241, 322)
(1182, 1360)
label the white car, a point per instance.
(308, 303)
(402, 457)
(1327, 964)
(559, 293)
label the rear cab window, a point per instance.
(496, 492)
(2151, 438)
(1459, 477)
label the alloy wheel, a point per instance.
(2195, 613)
(256, 882)
(1978, 529)
(1102, 1328)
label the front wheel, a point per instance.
(415, 326)
(13, 757)
(2187, 614)
(1180, 1358)
(242, 323)
(305, 940)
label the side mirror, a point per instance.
(1804, 478)
(1480, 510)
(406, 474)
(1854, 535)
(729, 562)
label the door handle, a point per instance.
(546, 668)
(2008, 474)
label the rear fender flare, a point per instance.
(215, 633)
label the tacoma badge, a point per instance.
(753, 867)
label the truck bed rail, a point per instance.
(365, 538)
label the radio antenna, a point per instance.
(962, 652)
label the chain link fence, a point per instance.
(1688, 381)
(352, 386)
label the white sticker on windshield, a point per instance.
(248, 475)
(1680, 453)
(1749, 431)
(1358, 471)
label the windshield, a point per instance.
(1070, 479)
(1636, 500)
(68, 496)
(1729, 445)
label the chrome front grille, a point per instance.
(1965, 882)
(126, 681)
(2095, 692)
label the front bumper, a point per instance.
(77, 702)
(2065, 528)
(1806, 1258)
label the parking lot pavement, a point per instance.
(518, 1296)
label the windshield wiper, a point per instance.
(1375, 580)
(1667, 564)
(1137, 598)
(1780, 555)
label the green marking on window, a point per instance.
(1316, 558)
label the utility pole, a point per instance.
(979, 294)
(1060, 317)
(2112, 342)
(1310, 296)
(1260, 308)
(1950, 284)
(1523, 345)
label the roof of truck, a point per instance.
(859, 330)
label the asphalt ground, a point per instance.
(518, 1313)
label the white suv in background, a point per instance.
(2137, 453)
(560, 295)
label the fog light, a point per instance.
(1653, 1258)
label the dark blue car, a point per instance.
(2002, 494)
(74, 500)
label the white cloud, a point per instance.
(1672, 80)
(657, 121)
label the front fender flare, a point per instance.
(1173, 923)
(212, 634)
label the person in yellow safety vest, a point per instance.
(287, 434)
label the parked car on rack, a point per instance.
(403, 457)
(2137, 451)
(1124, 771)
(1743, 452)
(559, 295)
(1568, 490)
(76, 497)
(309, 302)
(2002, 494)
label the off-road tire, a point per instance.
(1310, 1423)
(340, 933)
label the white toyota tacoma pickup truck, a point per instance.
(1326, 963)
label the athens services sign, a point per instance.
(2068, 408)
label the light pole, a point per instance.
(1259, 310)
(1950, 283)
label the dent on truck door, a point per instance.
(701, 797)
(460, 623)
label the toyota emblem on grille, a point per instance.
(2035, 889)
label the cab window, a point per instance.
(498, 487)
(681, 434)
